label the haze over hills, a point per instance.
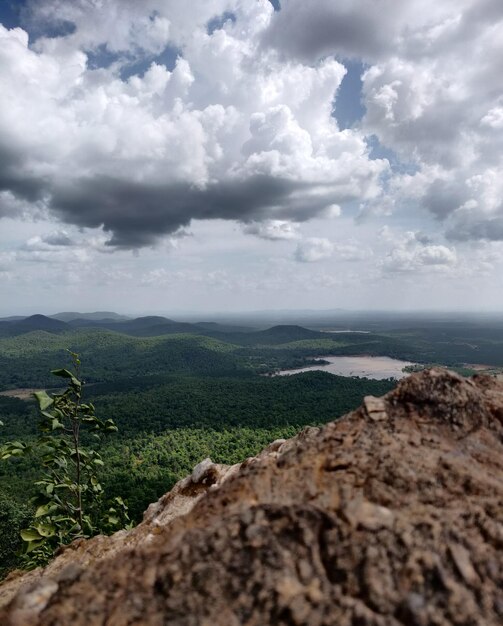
(262, 319)
(142, 326)
(68, 316)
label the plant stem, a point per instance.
(75, 431)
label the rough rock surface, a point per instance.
(393, 515)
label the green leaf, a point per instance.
(42, 510)
(63, 518)
(46, 530)
(30, 534)
(33, 545)
(17, 444)
(62, 373)
(15, 452)
(44, 400)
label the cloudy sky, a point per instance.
(242, 154)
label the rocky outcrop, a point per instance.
(392, 515)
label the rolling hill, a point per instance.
(156, 326)
(31, 324)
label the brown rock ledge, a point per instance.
(392, 515)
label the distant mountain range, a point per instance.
(12, 327)
(153, 326)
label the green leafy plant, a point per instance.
(70, 499)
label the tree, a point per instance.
(70, 499)
(13, 517)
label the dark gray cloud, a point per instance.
(14, 178)
(442, 197)
(56, 242)
(469, 227)
(59, 239)
(138, 214)
(423, 238)
(348, 29)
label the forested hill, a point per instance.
(14, 327)
(26, 360)
(263, 350)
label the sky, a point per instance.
(248, 155)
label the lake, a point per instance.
(376, 367)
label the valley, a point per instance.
(182, 391)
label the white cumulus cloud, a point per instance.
(427, 98)
(231, 131)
